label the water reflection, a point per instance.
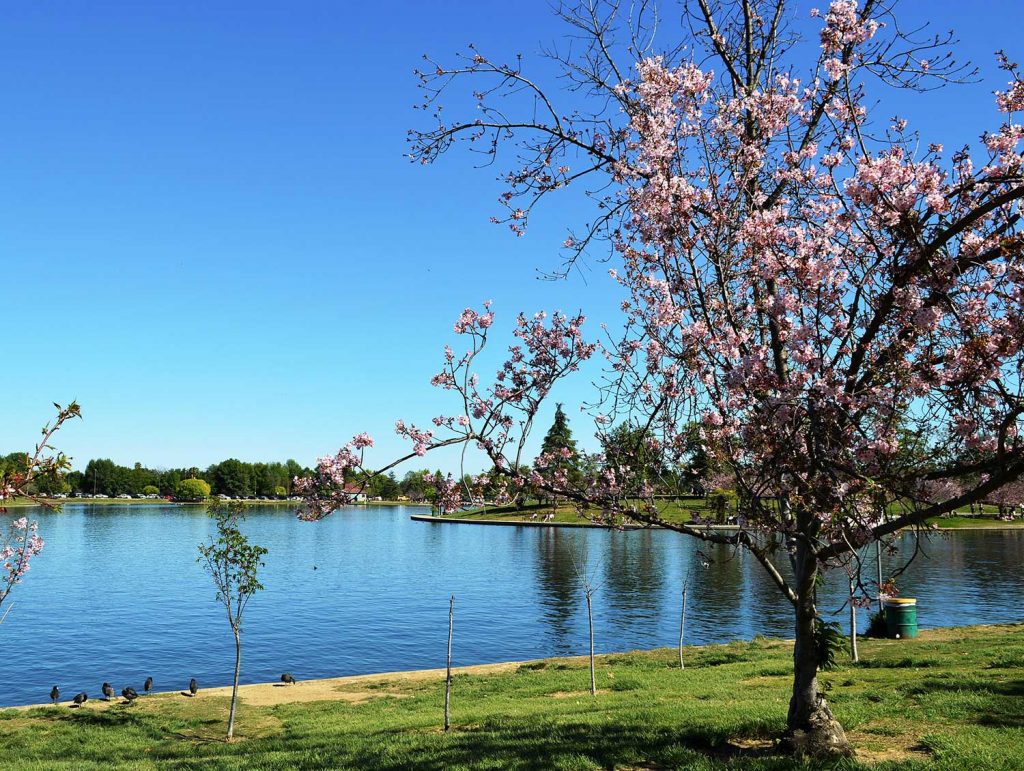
(558, 556)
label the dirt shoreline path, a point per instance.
(352, 688)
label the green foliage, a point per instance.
(384, 486)
(231, 477)
(232, 561)
(280, 491)
(696, 465)
(419, 485)
(876, 625)
(722, 503)
(192, 489)
(557, 440)
(150, 490)
(627, 447)
(559, 436)
(829, 641)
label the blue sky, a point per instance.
(211, 238)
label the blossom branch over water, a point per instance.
(21, 542)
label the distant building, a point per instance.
(355, 493)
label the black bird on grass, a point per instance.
(148, 685)
(130, 694)
(80, 699)
(108, 691)
(287, 678)
(55, 694)
(193, 686)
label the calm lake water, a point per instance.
(117, 595)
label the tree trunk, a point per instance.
(811, 728)
(234, 686)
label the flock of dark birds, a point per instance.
(129, 694)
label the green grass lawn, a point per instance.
(951, 699)
(671, 510)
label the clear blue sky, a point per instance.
(211, 238)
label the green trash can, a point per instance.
(901, 617)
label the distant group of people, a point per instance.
(549, 517)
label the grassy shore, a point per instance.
(950, 699)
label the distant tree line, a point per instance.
(102, 476)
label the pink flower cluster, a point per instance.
(330, 486)
(20, 544)
(449, 494)
(420, 438)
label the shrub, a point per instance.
(192, 490)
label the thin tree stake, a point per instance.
(853, 623)
(682, 626)
(448, 676)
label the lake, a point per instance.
(117, 595)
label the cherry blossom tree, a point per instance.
(806, 282)
(1008, 498)
(20, 542)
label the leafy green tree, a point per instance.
(150, 490)
(419, 485)
(103, 476)
(75, 480)
(50, 483)
(696, 466)
(192, 490)
(233, 563)
(169, 480)
(280, 491)
(232, 477)
(384, 486)
(628, 447)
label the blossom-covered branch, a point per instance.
(21, 541)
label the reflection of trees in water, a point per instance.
(557, 580)
(634, 576)
(722, 579)
(770, 613)
(961, 578)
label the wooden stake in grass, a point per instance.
(704, 561)
(590, 620)
(853, 621)
(682, 622)
(448, 676)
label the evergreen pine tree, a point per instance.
(559, 437)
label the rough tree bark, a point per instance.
(811, 728)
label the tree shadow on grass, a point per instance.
(1005, 708)
(547, 745)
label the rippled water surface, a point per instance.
(118, 595)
